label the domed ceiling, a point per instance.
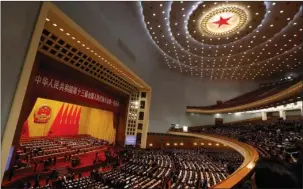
(227, 40)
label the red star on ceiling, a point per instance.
(222, 21)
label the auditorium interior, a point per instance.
(151, 94)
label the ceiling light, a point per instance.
(273, 3)
(288, 18)
(257, 13)
(55, 25)
(160, 5)
(154, 14)
(163, 12)
(295, 23)
(281, 11)
(271, 25)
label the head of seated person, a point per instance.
(272, 173)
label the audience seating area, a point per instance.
(170, 168)
(147, 169)
(277, 139)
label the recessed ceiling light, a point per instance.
(288, 18)
(257, 13)
(281, 11)
(271, 25)
(295, 23)
(154, 14)
(273, 3)
(163, 12)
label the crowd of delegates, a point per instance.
(173, 168)
(273, 139)
(144, 169)
(40, 154)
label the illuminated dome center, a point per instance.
(223, 21)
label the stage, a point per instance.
(85, 166)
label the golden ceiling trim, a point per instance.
(74, 30)
(62, 50)
(293, 90)
(249, 153)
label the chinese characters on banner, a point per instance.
(71, 89)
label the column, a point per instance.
(264, 116)
(145, 121)
(282, 114)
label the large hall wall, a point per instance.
(15, 39)
(124, 25)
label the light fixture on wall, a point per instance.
(251, 165)
(238, 113)
(185, 128)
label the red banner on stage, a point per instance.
(52, 84)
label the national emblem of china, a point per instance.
(42, 114)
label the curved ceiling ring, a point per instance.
(190, 53)
(196, 68)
